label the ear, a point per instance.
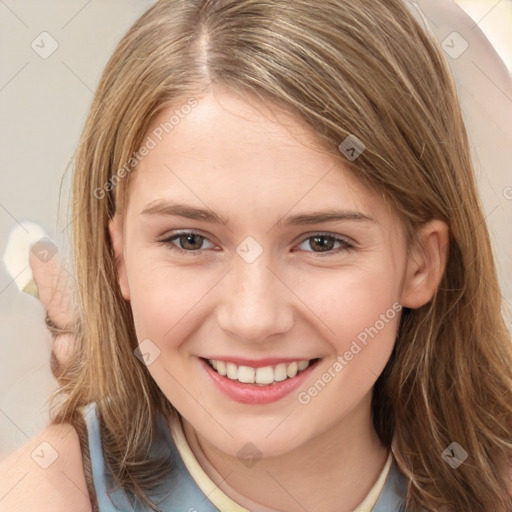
(115, 227)
(426, 264)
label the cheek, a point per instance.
(164, 298)
(358, 312)
(359, 315)
(352, 299)
(165, 303)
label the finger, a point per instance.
(61, 351)
(55, 286)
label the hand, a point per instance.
(55, 293)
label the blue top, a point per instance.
(179, 492)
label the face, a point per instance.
(245, 245)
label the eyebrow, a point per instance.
(315, 217)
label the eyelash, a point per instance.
(345, 245)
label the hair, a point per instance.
(343, 67)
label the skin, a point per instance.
(254, 166)
(24, 487)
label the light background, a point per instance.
(43, 104)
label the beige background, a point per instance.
(43, 103)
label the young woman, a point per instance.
(287, 298)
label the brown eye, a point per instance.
(190, 241)
(326, 243)
(186, 242)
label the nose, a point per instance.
(255, 303)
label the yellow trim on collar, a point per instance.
(223, 502)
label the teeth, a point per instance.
(292, 370)
(303, 365)
(221, 367)
(232, 371)
(246, 374)
(280, 372)
(263, 376)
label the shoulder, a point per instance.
(45, 474)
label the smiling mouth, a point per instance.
(262, 376)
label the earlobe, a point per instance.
(115, 227)
(426, 264)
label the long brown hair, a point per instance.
(344, 67)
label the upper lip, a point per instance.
(257, 363)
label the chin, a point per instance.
(266, 438)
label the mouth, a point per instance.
(263, 375)
(258, 382)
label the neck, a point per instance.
(340, 466)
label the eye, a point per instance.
(188, 242)
(191, 243)
(326, 242)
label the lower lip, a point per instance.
(253, 393)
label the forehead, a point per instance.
(226, 152)
(224, 128)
